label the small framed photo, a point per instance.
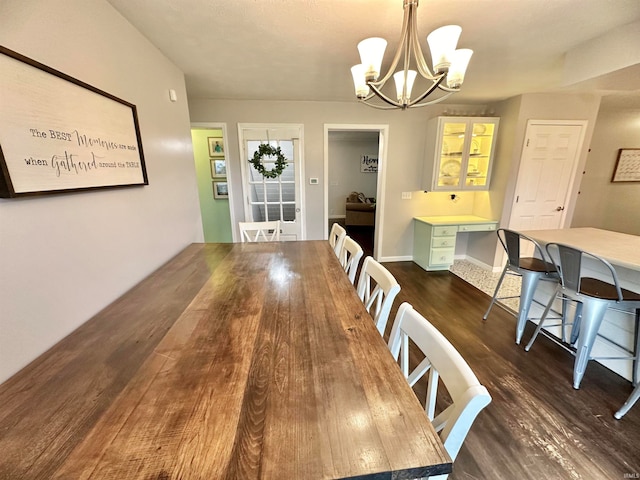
(216, 147)
(218, 168)
(220, 190)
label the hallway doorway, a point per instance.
(354, 175)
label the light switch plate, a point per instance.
(313, 181)
(406, 195)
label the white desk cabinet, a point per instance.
(434, 238)
(459, 153)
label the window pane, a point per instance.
(258, 213)
(289, 212)
(273, 192)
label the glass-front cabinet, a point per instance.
(459, 153)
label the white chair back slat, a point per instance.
(336, 238)
(350, 256)
(379, 299)
(260, 231)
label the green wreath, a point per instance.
(267, 150)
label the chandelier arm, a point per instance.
(432, 102)
(379, 107)
(427, 92)
(383, 97)
(396, 58)
(447, 89)
(421, 63)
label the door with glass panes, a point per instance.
(268, 199)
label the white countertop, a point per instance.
(454, 219)
(618, 248)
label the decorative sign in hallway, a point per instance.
(59, 134)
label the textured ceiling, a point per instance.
(303, 49)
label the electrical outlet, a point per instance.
(406, 195)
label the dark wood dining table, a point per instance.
(231, 361)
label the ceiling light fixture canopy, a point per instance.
(449, 65)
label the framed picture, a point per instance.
(220, 190)
(216, 147)
(59, 134)
(627, 167)
(218, 168)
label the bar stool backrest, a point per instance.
(568, 262)
(512, 241)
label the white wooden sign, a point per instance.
(59, 134)
(368, 164)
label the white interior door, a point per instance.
(279, 198)
(547, 168)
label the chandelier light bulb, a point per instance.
(459, 64)
(442, 43)
(358, 73)
(371, 53)
(398, 77)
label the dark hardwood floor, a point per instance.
(537, 426)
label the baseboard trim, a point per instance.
(478, 263)
(405, 258)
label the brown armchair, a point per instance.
(360, 210)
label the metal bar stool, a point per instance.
(594, 296)
(531, 269)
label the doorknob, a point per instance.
(559, 209)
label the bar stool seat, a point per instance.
(531, 269)
(594, 296)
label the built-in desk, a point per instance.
(617, 332)
(434, 238)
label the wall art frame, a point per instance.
(218, 168)
(59, 134)
(220, 190)
(627, 167)
(216, 147)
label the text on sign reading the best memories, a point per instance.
(65, 161)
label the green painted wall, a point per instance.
(216, 220)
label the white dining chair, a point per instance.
(444, 362)
(260, 231)
(336, 237)
(350, 256)
(377, 289)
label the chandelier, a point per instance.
(449, 65)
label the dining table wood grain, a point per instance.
(231, 361)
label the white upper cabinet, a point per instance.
(459, 153)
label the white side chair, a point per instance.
(260, 231)
(468, 396)
(350, 256)
(377, 297)
(336, 238)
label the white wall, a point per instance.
(65, 257)
(602, 204)
(345, 153)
